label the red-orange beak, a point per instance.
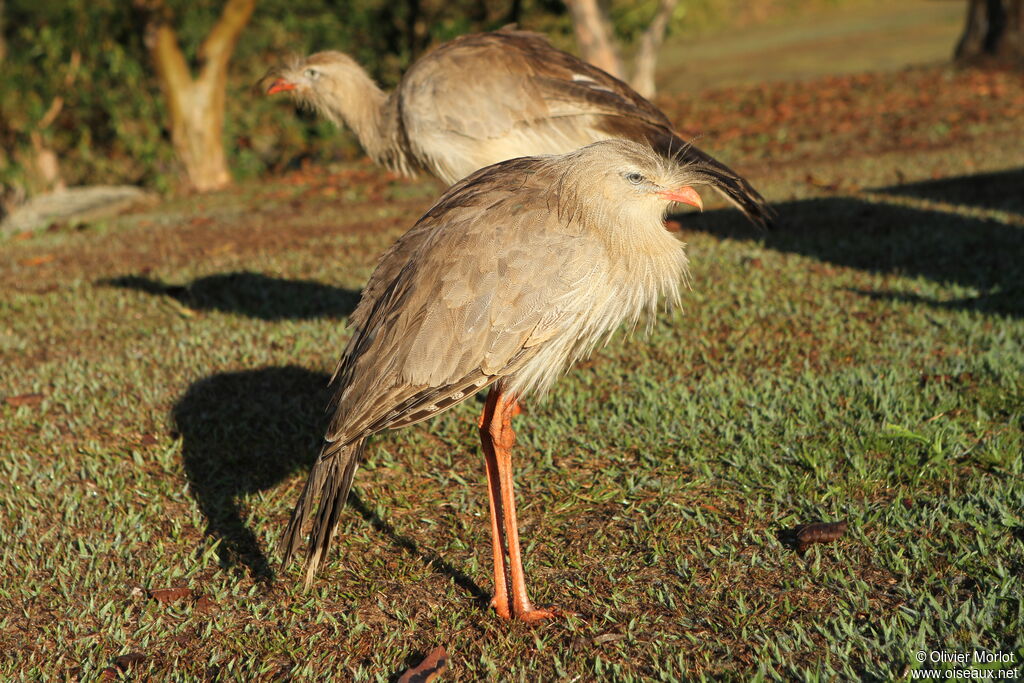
(684, 195)
(280, 85)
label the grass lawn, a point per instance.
(842, 38)
(163, 385)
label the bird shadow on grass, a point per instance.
(244, 433)
(252, 294)
(953, 245)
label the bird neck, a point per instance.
(650, 260)
(372, 114)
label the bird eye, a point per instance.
(634, 178)
(312, 73)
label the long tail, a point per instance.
(329, 481)
(731, 184)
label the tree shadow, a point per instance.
(252, 294)
(245, 432)
(1002, 190)
(952, 247)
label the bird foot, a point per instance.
(529, 615)
(536, 614)
(501, 607)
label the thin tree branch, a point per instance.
(172, 70)
(593, 36)
(215, 51)
(647, 53)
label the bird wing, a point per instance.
(484, 98)
(493, 272)
(509, 78)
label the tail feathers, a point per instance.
(730, 184)
(329, 481)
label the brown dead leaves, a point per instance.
(37, 260)
(24, 400)
(851, 115)
(170, 596)
(430, 668)
(819, 532)
(123, 665)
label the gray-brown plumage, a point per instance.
(484, 98)
(515, 273)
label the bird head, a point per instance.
(320, 81)
(630, 177)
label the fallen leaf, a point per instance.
(168, 595)
(204, 604)
(109, 674)
(222, 248)
(819, 532)
(608, 638)
(429, 669)
(37, 260)
(127, 662)
(934, 379)
(24, 400)
(823, 184)
(147, 440)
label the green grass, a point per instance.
(862, 362)
(841, 38)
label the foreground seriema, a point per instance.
(517, 271)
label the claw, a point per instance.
(501, 607)
(537, 614)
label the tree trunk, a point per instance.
(515, 12)
(994, 29)
(1012, 44)
(594, 36)
(45, 162)
(196, 105)
(3, 43)
(45, 165)
(647, 53)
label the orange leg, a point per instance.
(498, 438)
(500, 600)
